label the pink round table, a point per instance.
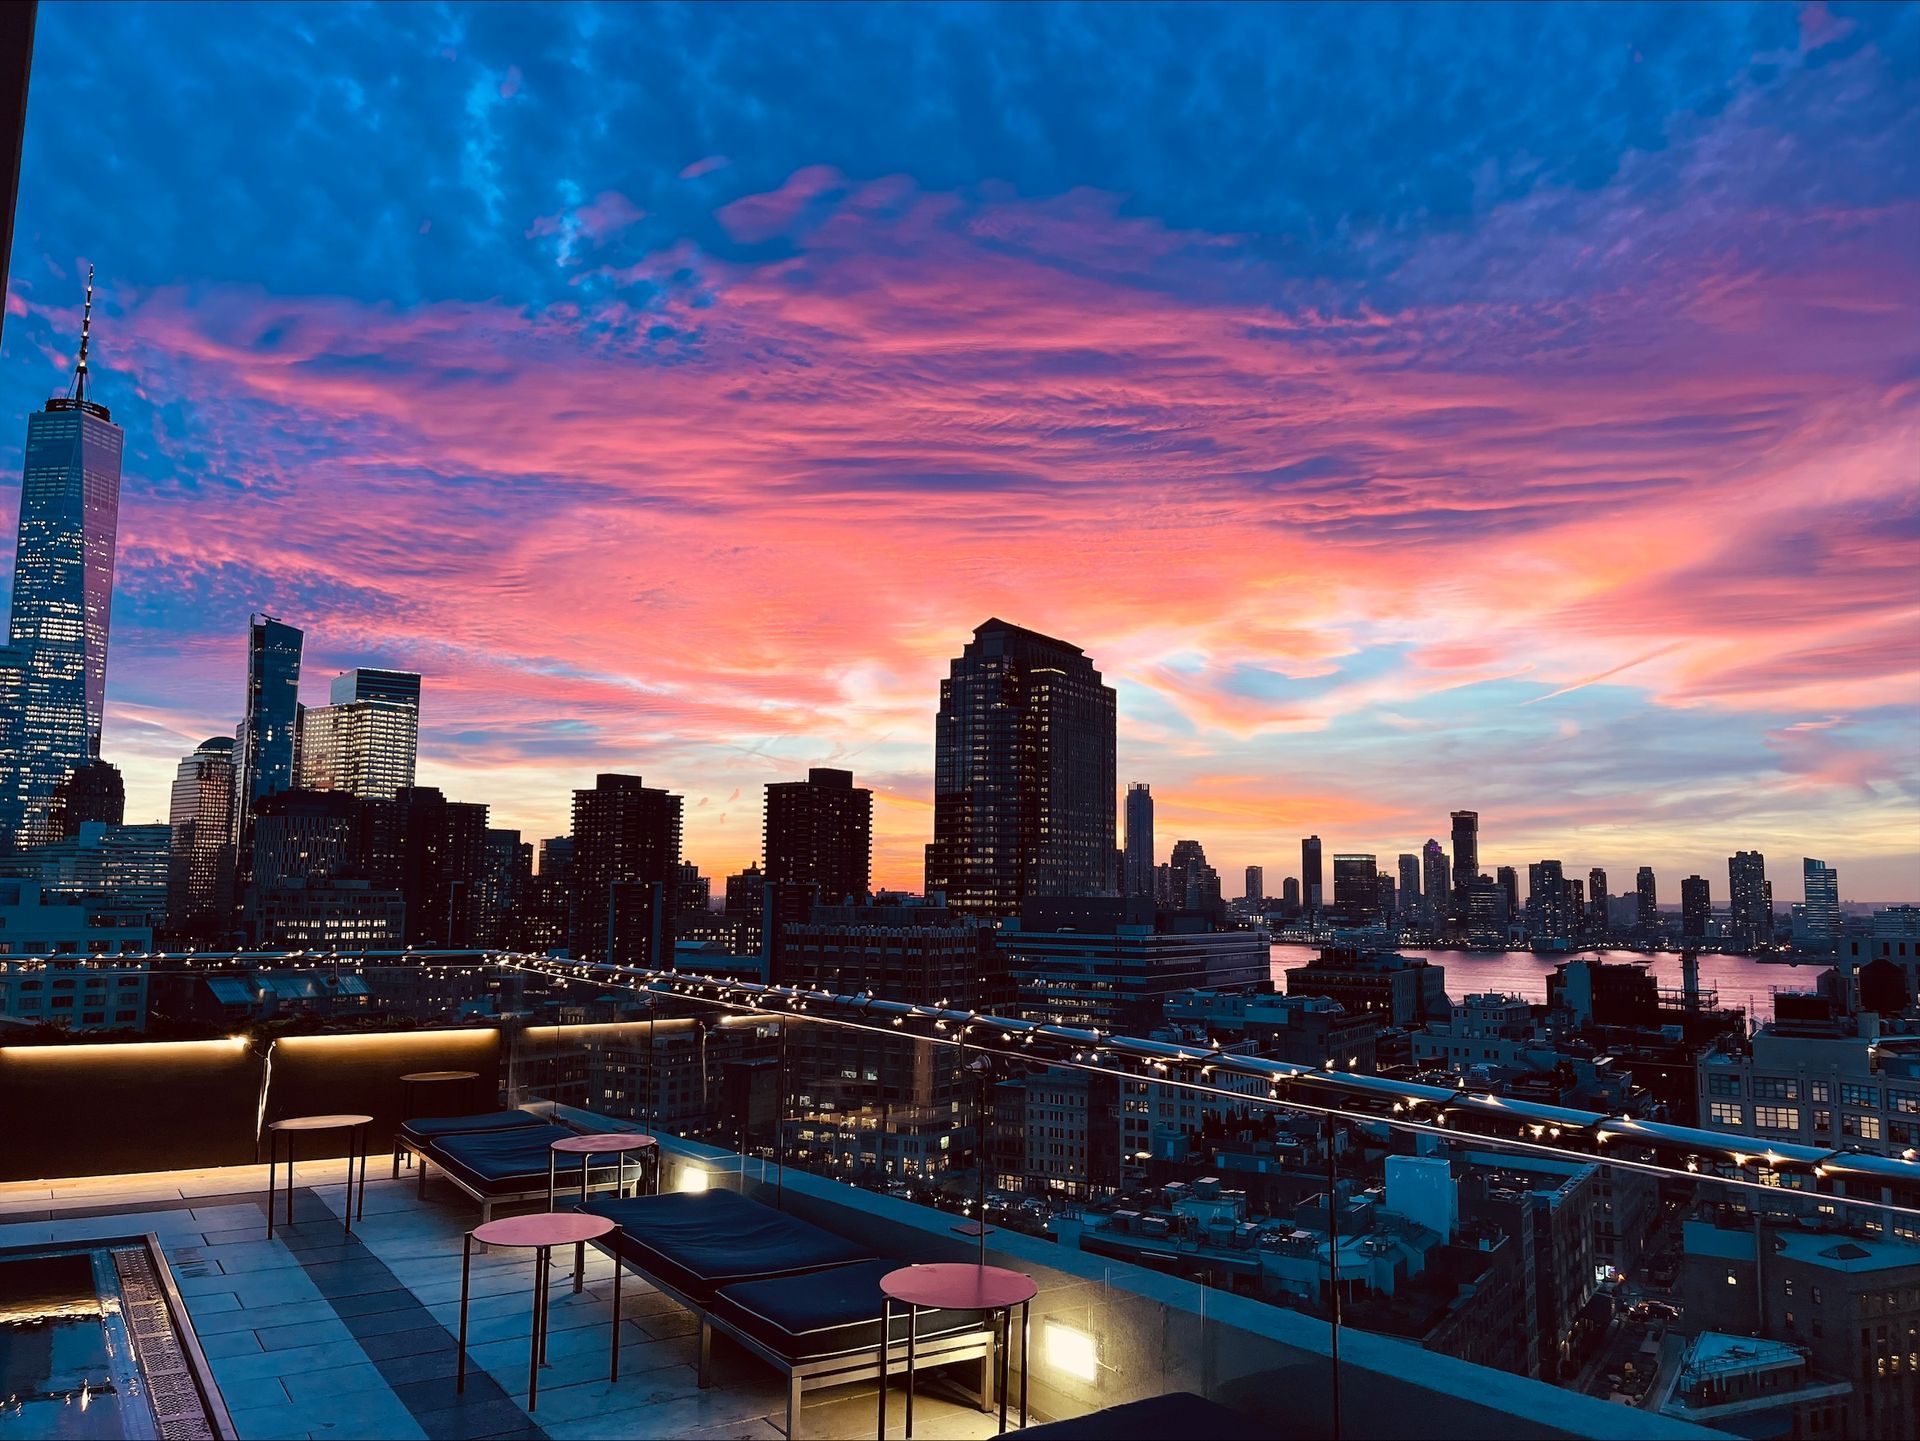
(957, 1286)
(540, 1233)
(293, 1126)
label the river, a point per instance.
(1740, 980)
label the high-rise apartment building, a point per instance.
(1023, 802)
(819, 832)
(1466, 858)
(1548, 925)
(626, 857)
(200, 861)
(443, 868)
(1597, 921)
(62, 599)
(1195, 884)
(1438, 878)
(1312, 894)
(1508, 879)
(92, 791)
(1255, 891)
(1409, 884)
(1823, 925)
(1290, 893)
(1647, 901)
(1137, 859)
(1749, 901)
(1696, 908)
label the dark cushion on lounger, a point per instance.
(1179, 1414)
(502, 1163)
(828, 1313)
(423, 1128)
(701, 1241)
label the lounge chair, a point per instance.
(413, 1136)
(507, 1165)
(801, 1298)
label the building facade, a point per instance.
(819, 832)
(1023, 774)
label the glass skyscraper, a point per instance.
(62, 598)
(200, 864)
(1138, 862)
(264, 746)
(1024, 760)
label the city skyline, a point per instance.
(1429, 505)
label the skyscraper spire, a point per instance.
(86, 326)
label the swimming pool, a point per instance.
(95, 1344)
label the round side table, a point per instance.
(618, 1144)
(539, 1233)
(957, 1286)
(294, 1126)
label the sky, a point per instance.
(1407, 408)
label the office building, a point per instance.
(200, 818)
(819, 832)
(1410, 897)
(1137, 859)
(62, 599)
(1255, 892)
(1490, 911)
(626, 859)
(92, 791)
(118, 872)
(1312, 896)
(1356, 892)
(1466, 858)
(1290, 894)
(1646, 902)
(397, 687)
(366, 745)
(1110, 963)
(1023, 775)
(1823, 924)
(1749, 901)
(1696, 908)
(264, 747)
(1508, 879)
(1597, 901)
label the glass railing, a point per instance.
(1270, 1235)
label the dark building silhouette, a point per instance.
(549, 921)
(1254, 892)
(819, 831)
(626, 859)
(1749, 901)
(92, 791)
(1312, 896)
(1356, 887)
(1466, 858)
(1647, 914)
(1136, 863)
(1195, 884)
(1023, 802)
(1600, 922)
(443, 868)
(1438, 879)
(1696, 907)
(1508, 879)
(506, 889)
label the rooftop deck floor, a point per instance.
(314, 1334)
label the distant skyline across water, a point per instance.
(1541, 445)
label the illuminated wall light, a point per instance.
(693, 1180)
(1070, 1351)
